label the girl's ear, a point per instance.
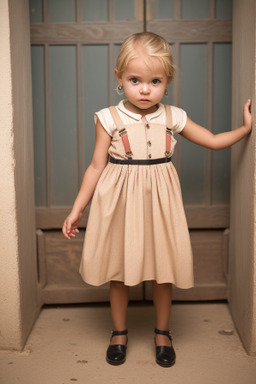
(118, 77)
(169, 80)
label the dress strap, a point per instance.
(117, 119)
(122, 131)
(169, 131)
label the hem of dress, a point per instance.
(189, 286)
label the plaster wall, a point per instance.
(18, 273)
(242, 261)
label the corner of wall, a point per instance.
(18, 273)
(242, 258)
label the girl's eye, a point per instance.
(155, 81)
(134, 80)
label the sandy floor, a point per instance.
(68, 345)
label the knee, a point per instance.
(162, 285)
(117, 284)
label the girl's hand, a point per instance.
(70, 225)
(247, 116)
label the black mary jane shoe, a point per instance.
(116, 353)
(165, 355)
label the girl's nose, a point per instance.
(144, 88)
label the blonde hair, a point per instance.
(153, 45)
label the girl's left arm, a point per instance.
(202, 136)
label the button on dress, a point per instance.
(137, 229)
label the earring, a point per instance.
(120, 90)
(166, 92)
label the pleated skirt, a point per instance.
(137, 229)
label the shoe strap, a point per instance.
(165, 333)
(119, 333)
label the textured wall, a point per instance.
(9, 277)
(242, 263)
(18, 275)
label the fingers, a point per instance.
(247, 115)
(68, 230)
(247, 105)
(72, 233)
(70, 225)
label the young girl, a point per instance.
(137, 229)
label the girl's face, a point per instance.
(144, 84)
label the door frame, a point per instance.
(207, 222)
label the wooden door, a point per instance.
(74, 46)
(200, 33)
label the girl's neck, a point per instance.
(142, 112)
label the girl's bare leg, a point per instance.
(162, 298)
(119, 297)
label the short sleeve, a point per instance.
(106, 120)
(179, 119)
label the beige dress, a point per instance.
(137, 228)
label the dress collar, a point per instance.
(136, 116)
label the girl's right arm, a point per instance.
(90, 179)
